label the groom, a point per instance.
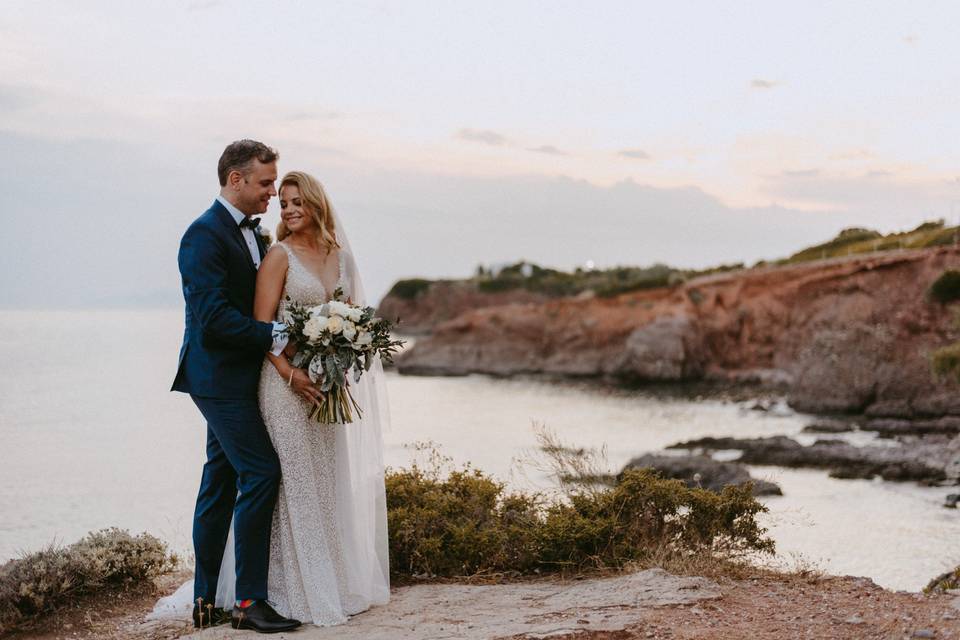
(223, 350)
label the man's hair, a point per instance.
(239, 155)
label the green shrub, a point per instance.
(937, 238)
(409, 289)
(41, 582)
(945, 361)
(946, 288)
(466, 524)
(496, 285)
(655, 282)
(943, 582)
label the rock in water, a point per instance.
(921, 461)
(704, 472)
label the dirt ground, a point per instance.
(774, 609)
(646, 605)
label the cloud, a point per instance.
(460, 221)
(636, 154)
(802, 173)
(17, 97)
(481, 135)
(548, 149)
(759, 83)
(319, 114)
(868, 198)
(200, 5)
(854, 154)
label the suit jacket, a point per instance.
(223, 346)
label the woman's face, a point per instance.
(292, 210)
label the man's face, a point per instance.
(255, 189)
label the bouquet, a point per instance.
(335, 341)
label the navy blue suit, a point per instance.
(220, 360)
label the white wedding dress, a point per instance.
(328, 546)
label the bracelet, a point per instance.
(290, 380)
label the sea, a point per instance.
(91, 437)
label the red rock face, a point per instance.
(846, 335)
(444, 301)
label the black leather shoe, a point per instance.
(261, 618)
(212, 616)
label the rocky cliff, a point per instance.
(422, 311)
(842, 335)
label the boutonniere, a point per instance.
(265, 236)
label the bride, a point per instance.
(328, 544)
(328, 549)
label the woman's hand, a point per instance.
(300, 382)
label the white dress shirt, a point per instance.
(279, 329)
(246, 232)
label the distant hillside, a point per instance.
(855, 240)
(527, 282)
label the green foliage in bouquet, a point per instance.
(42, 582)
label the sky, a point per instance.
(453, 134)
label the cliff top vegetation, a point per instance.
(622, 279)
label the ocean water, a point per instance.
(91, 437)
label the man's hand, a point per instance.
(300, 382)
(290, 350)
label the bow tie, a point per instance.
(250, 223)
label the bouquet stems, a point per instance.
(336, 406)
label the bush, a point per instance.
(943, 582)
(654, 282)
(42, 582)
(945, 361)
(499, 284)
(409, 289)
(946, 288)
(466, 524)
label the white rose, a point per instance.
(334, 324)
(354, 314)
(364, 338)
(349, 330)
(314, 327)
(338, 308)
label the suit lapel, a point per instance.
(233, 231)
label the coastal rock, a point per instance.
(836, 369)
(436, 302)
(842, 459)
(889, 428)
(945, 582)
(704, 472)
(846, 335)
(666, 350)
(827, 425)
(528, 609)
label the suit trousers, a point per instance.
(240, 458)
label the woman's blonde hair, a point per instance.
(316, 203)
